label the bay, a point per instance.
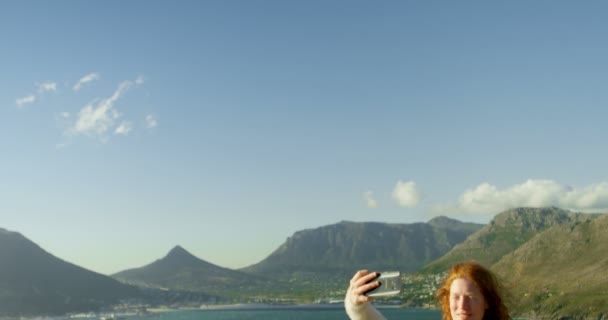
(295, 313)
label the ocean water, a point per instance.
(288, 314)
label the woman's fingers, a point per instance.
(359, 285)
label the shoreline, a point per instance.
(265, 306)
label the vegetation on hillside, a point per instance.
(561, 271)
(504, 234)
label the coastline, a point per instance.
(263, 306)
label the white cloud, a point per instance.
(42, 88)
(139, 80)
(88, 78)
(28, 99)
(488, 199)
(591, 198)
(46, 86)
(151, 121)
(124, 128)
(406, 194)
(96, 120)
(369, 199)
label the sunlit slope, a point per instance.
(561, 271)
(342, 248)
(32, 281)
(505, 233)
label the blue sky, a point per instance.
(130, 127)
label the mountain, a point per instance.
(560, 271)
(505, 233)
(33, 282)
(340, 249)
(180, 270)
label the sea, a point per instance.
(295, 313)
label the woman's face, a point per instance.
(466, 301)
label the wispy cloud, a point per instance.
(95, 120)
(369, 200)
(42, 88)
(98, 119)
(47, 86)
(151, 121)
(84, 80)
(406, 194)
(25, 100)
(488, 199)
(124, 128)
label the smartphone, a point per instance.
(390, 285)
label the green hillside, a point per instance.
(505, 233)
(561, 271)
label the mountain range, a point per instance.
(551, 261)
(310, 261)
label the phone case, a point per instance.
(390, 285)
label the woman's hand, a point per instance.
(359, 286)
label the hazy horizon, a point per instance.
(224, 127)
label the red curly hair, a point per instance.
(488, 285)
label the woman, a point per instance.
(470, 292)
